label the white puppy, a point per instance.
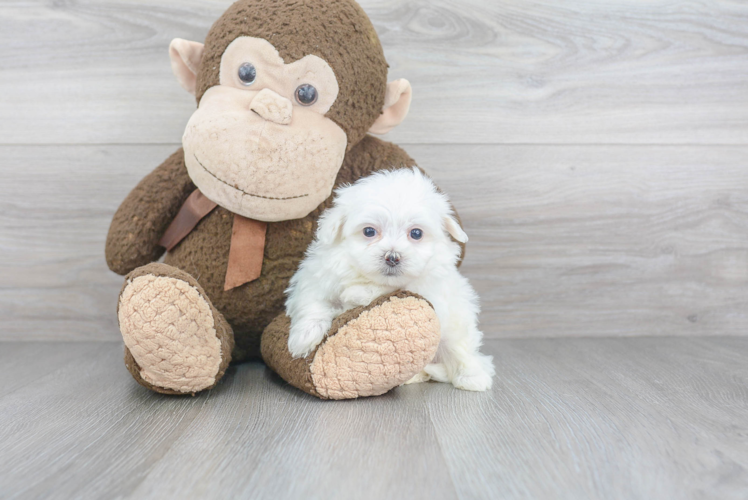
(390, 231)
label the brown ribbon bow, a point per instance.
(247, 239)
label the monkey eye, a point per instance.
(306, 95)
(370, 232)
(416, 234)
(247, 73)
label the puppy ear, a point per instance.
(454, 229)
(330, 226)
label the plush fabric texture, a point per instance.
(368, 351)
(396, 106)
(191, 279)
(204, 253)
(249, 308)
(134, 369)
(192, 211)
(175, 340)
(259, 168)
(169, 329)
(247, 248)
(274, 348)
(381, 348)
(185, 61)
(338, 31)
(144, 215)
(272, 72)
(269, 106)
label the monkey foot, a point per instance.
(368, 351)
(176, 342)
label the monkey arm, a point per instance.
(144, 215)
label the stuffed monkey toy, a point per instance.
(287, 91)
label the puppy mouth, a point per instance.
(244, 192)
(392, 272)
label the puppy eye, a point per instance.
(306, 95)
(247, 74)
(416, 234)
(370, 232)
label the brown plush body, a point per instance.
(259, 150)
(135, 231)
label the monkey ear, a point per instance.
(185, 62)
(454, 229)
(396, 105)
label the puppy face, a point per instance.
(391, 226)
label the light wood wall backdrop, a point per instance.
(597, 151)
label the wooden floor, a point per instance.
(597, 153)
(649, 418)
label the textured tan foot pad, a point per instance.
(170, 331)
(380, 349)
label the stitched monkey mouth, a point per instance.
(241, 190)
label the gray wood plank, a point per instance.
(86, 428)
(292, 445)
(602, 418)
(54, 217)
(567, 418)
(24, 363)
(96, 71)
(565, 240)
(93, 433)
(602, 241)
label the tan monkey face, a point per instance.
(259, 143)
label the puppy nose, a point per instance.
(392, 258)
(272, 107)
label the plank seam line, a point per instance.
(439, 144)
(615, 337)
(439, 441)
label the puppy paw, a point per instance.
(305, 336)
(437, 372)
(473, 381)
(358, 295)
(418, 378)
(475, 376)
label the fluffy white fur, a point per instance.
(344, 268)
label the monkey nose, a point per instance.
(272, 107)
(392, 258)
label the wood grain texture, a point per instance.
(564, 240)
(24, 363)
(567, 418)
(596, 151)
(86, 430)
(602, 418)
(290, 445)
(624, 71)
(602, 241)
